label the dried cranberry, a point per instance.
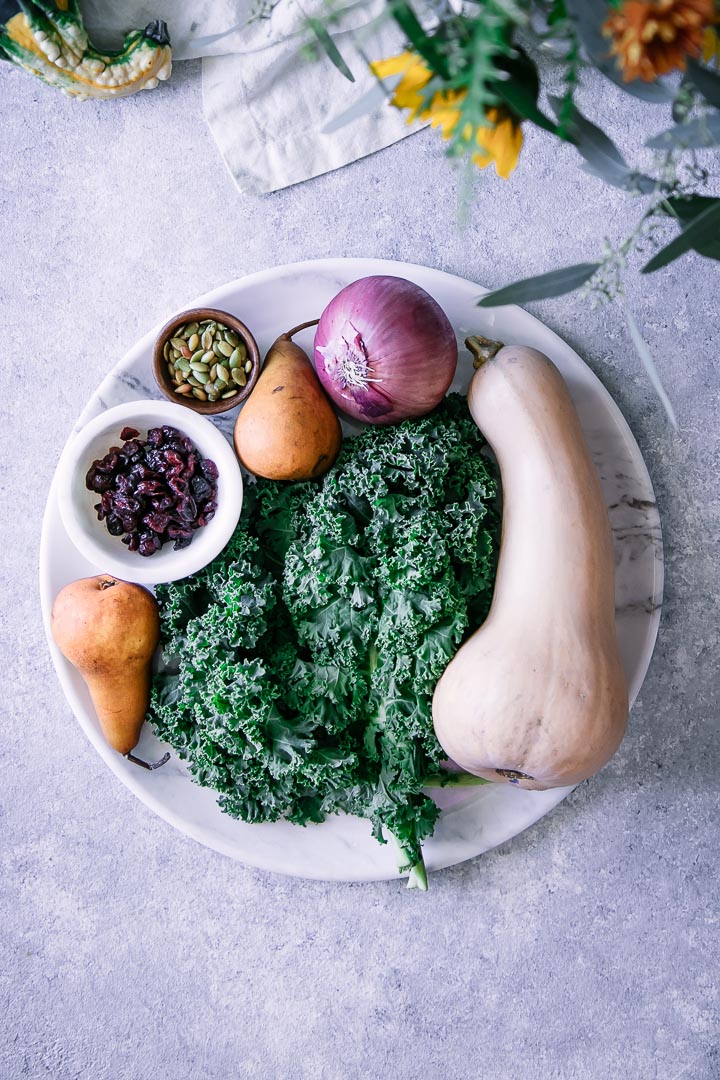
(154, 490)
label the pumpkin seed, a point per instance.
(248, 366)
(194, 381)
(200, 395)
(197, 355)
(212, 392)
(225, 348)
(207, 340)
(223, 373)
(171, 369)
(184, 389)
(166, 350)
(230, 393)
(232, 339)
(239, 376)
(198, 365)
(190, 329)
(208, 357)
(237, 357)
(182, 365)
(213, 371)
(202, 376)
(216, 349)
(178, 377)
(192, 342)
(177, 343)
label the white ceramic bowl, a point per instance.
(91, 537)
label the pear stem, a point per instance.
(302, 326)
(146, 764)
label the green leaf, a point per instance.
(320, 31)
(602, 157)
(423, 44)
(365, 104)
(702, 232)
(542, 287)
(706, 81)
(703, 131)
(646, 356)
(521, 90)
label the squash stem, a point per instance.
(146, 764)
(482, 348)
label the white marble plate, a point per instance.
(473, 820)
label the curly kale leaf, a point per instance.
(300, 664)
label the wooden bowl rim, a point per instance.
(162, 378)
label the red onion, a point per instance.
(384, 350)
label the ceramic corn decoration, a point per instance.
(48, 38)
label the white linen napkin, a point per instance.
(265, 100)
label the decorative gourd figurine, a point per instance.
(48, 38)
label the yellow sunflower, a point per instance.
(499, 143)
(711, 47)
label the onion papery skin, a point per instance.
(385, 350)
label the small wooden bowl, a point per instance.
(162, 375)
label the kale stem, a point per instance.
(417, 878)
(462, 779)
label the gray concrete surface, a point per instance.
(586, 949)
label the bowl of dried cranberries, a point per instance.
(149, 491)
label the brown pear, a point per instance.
(109, 629)
(287, 429)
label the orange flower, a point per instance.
(652, 37)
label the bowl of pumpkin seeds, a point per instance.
(207, 360)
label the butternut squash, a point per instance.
(537, 696)
(109, 629)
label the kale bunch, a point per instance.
(299, 666)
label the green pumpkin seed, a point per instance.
(190, 329)
(207, 340)
(171, 369)
(213, 371)
(223, 373)
(184, 389)
(182, 364)
(202, 376)
(239, 376)
(177, 343)
(193, 342)
(232, 339)
(200, 395)
(194, 381)
(236, 357)
(199, 365)
(248, 366)
(166, 350)
(229, 394)
(197, 355)
(216, 350)
(225, 349)
(208, 357)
